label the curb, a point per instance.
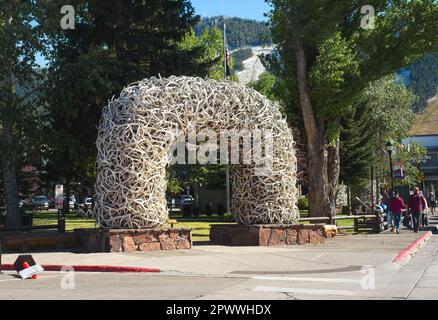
(414, 245)
(109, 269)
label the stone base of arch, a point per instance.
(267, 235)
(131, 240)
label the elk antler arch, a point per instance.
(133, 151)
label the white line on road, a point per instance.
(302, 279)
(306, 291)
(319, 256)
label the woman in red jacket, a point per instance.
(397, 206)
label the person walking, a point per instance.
(432, 202)
(397, 206)
(424, 215)
(416, 205)
(386, 200)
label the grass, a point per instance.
(200, 225)
(42, 218)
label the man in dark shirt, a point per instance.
(417, 204)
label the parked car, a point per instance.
(59, 202)
(40, 202)
(187, 200)
(24, 200)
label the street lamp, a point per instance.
(390, 149)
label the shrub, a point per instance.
(303, 203)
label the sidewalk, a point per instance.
(343, 252)
(335, 270)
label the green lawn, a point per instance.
(41, 218)
(200, 226)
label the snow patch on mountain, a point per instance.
(253, 67)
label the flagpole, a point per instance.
(225, 51)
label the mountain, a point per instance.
(252, 68)
(422, 78)
(240, 32)
(426, 121)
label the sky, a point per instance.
(248, 9)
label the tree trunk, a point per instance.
(13, 219)
(333, 171)
(319, 203)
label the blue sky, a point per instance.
(249, 9)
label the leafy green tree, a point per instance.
(327, 59)
(382, 113)
(210, 47)
(20, 40)
(265, 85)
(412, 157)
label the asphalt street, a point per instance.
(349, 267)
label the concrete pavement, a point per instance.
(346, 267)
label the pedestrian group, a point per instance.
(413, 215)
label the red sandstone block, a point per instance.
(303, 235)
(167, 243)
(264, 234)
(129, 244)
(115, 244)
(143, 238)
(155, 246)
(277, 238)
(291, 237)
(183, 244)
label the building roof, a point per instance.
(426, 123)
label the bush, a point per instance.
(303, 203)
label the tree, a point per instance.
(114, 43)
(327, 59)
(382, 113)
(20, 40)
(412, 156)
(210, 48)
(265, 85)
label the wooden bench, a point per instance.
(366, 221)
(172, 222)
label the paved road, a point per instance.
(353, 267)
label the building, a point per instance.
(425, 133)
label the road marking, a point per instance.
(303, 279)
(306, 291)
(319, 256)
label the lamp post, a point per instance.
(390, 149)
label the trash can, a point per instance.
(26, 219)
